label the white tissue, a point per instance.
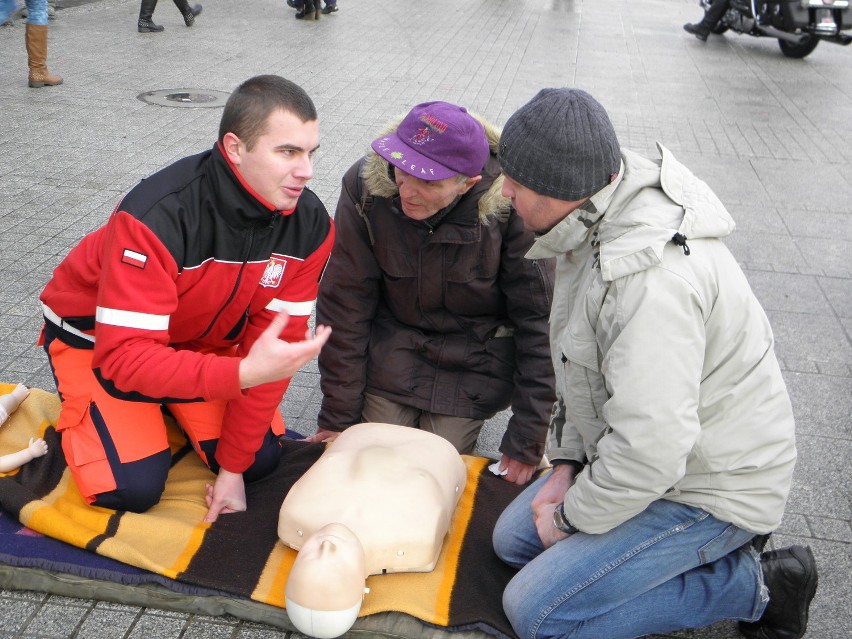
(495, 468)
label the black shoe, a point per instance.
(295, 4)
(758, 542)
(189, 18)
(698, 30)
(146, 25)
(329, 8)
(307, 13)
(790, 574)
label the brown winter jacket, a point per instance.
(452, 320)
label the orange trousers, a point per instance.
(117, 450)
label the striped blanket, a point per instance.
(240, 554)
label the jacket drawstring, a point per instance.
(680, 240)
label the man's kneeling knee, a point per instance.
(140, 484)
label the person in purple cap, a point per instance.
(439, 320)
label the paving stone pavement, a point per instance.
(771, 135)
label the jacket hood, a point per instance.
(491, 203)
(640, 222)
(653, 202)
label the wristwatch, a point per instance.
(561, 521)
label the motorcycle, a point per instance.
(799, 25)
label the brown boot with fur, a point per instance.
(36, 39)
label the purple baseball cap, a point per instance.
(435, 141)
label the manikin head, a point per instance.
(326, 585)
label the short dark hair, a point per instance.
(250, 105)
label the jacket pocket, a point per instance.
(584, 390)
(467, 264)
(396, 264)
(400, 284)
(470, 283)
(580, 351)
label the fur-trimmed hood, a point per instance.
(491, 202)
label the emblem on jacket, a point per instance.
(134, 258)
(274, 272)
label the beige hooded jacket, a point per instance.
(666, 376)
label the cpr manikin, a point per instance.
(37, 446)
(379, 499)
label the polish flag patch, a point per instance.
(134, 258)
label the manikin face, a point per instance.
(540, 213)
(329, 571)
(280, 164)
(326, 583)
(421, 199)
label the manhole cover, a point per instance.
(192, 98)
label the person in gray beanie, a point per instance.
(563, 148)
(672, 440)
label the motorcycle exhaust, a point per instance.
(783, 35)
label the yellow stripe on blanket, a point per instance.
(433, 589)
(273, 579)
(64, 515)
(172, 530)
(458, 531)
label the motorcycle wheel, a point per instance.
(798, 50)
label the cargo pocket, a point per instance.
(84, 449)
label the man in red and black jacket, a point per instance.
(194, 298)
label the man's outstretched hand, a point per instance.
(272, 359)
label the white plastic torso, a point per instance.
(394, 487)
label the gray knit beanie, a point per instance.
(560, 144)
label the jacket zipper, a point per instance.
(236, 288)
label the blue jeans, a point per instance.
(37, 12)
(6, 9)
(670, 567)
